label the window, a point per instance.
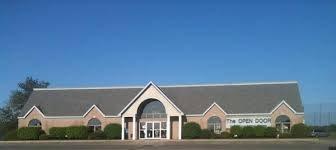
(152, 109)
(94, 125)
(214, 124)
(34, 123)
(282, 123)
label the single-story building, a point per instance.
(158, 112)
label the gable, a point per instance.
(151, 91)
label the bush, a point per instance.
(191, 130)
(77, 132)
(271, 132)
(206, 134)
(98, 135)
(43, 137)
(113, 131)
(260, 131)
(300, 130)
(236, 131)
(29, 133)
(11, 136)
(226, 135)
(57, 132)
(248, 132)
(285, 135)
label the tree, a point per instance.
(10, 111)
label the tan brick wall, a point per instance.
(47, 123)
(284, 110)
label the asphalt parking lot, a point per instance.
(194, 145)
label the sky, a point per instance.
(110, 43)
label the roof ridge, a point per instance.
(168, 86)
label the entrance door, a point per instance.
(157, 130)
(152, 130)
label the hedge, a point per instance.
(113, 131)
(207, 134)
(260, 131)
(43, 137)
(271, 132)
(236, 131)
(191, 130)
(11, 135)
(77, 132)
(98, 135)
(29, 133)
(226, 135)
(58, 132)
(248, 132)
(300, 130)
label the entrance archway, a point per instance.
(152, 120)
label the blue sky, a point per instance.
(108, 43)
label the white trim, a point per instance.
(30, 110)
(66, 117)
(142, 91)
(212, 105)
(188, 115)
(168, 127)
(88, 88)
(248, 114)
(283, 102)
(183, 85)
(133, 130)
(122, 128)
(180, 128)
(231, 84)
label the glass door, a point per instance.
(157, 130)
(149, 130)
(152, 130)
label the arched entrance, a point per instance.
(152, 120)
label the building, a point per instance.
(158, 112)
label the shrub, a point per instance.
(97, 135)
(271, 132)
(29, 133)
(11, 136)
(191, 130)
(285, 135)
(226, 135)
(77, 132)
(300, 130)
(248, 132)
(57, 132)
(206, 134)
(43, 137)
(113, 131)
(260, 131)
(236, 131)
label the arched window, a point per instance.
(282, 123)
(152, 109)
(94, 125)
(34, 123)
(215, 125)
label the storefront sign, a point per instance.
(248, 121)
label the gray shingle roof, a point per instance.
(239, 98)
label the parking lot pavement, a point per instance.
(193, 145)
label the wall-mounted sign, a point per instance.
(248, 121)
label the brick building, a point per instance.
(158, 112)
